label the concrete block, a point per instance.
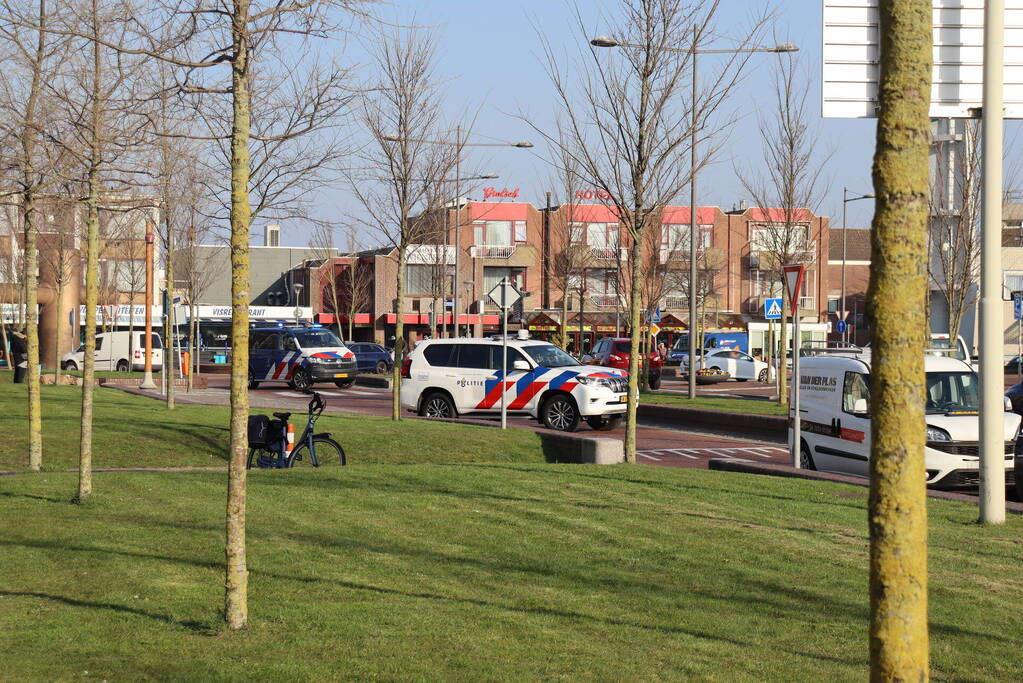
(377, 381)
(567, 448)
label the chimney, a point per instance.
(272, 235)
(742, 205)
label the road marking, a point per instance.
(648, 457)
(290, 394)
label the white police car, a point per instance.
(299, 357)
(451, 377)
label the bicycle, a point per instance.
(276, 455)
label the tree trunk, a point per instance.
(131, 322)
(564, 318)
(896, 296)
(193, 346)
(399, 336)
(91, 269)
(236, 608)
(168, 315)
(31, 262)
(635, 256)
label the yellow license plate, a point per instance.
(340, 374)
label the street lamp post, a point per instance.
(845, 228)
(605, 41)
(298, 286)
(458, 144)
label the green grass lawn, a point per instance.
(481, 572)
(732, 405)
(134, 431)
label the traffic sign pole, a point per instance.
(504, 295)
(794, 282)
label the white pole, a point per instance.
(504, 352)
(992, 341)
(794, 401)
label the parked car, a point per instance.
(1012, 367)
(614, 352)
(372, 357)
(117, 351)
(741, 366)
(299, 356)
(452, 377)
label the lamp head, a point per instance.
(785, 47)
(604, 41)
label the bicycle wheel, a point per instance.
(258, 456)
(328, 452)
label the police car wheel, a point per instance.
(301, 381)
(604, 423)
(253, 384)
(762, 377)
(437, 405)
(805, 459)
(122, 366)
(560, 413)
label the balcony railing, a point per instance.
(490, 251)
(807, 303)
(608, 254)
(604, 300)
(676, 302)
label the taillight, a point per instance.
(615, 356)
(406, 368)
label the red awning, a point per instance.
(328, 318)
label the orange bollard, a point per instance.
(186, 365)
(290, 446)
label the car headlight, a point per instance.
(314, 360)
(935, 434)
(593, 381)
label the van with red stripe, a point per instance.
(299, 357)
(452, 377)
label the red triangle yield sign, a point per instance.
(794, 283)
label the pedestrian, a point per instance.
(662, 350)
(570, 349)
(19, 351)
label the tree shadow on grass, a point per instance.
(193, 626)
(170, 433)
(32, 496)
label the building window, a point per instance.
(595, 235)
(493, 234)
(421, 278)
(778, 238)
(492, 275)
(1013, 280)
(675, 237)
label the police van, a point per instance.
(451, 377)
(834, 401)
(299, 357)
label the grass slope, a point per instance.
(134, 431)
(481, 572)
(731, 405)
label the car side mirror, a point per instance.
(860, 405)
(1008, 404)
(521, 365)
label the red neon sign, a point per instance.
(592, 194)
(490, 192)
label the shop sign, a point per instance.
(593, 194)
(504, 193)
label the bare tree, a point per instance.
(23, 100)
(404, 166)
(953, 233)
(628, 127)
(194, 264)
(569, 252)
(326, 277)
(356, 283)
(791, 180)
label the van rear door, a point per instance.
(843, 443)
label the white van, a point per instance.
(113, 352)
(834, 401)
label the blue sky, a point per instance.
(489, 53)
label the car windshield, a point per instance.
(550, 356)
(310, 339)
(952, 392)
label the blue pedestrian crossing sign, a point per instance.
(772, 309)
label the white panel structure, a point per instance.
(851, 52)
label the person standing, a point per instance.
(19, 353)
